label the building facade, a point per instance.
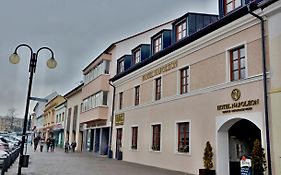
(73, 128)
(97, 93)
(58, 129)
(205, 86)
(49, 123)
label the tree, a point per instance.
(258, 158)
(11, 118)
(208, 156)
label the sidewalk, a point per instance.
(60, 163)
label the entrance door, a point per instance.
(241, 141)
(119, 144)
(97, 140)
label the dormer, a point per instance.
(160, 41)
(191, 23)
(123, 63)
(228, 6)
(140, 53)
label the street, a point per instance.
(61, 163)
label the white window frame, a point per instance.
(131, 137)
(176, 137)
(151, 136)
(227, 57)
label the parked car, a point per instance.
(3, 155)
(4, 146)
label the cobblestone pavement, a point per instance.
(60, 163)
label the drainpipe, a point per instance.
(111, 123)
(264, 91)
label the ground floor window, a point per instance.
(156, 135)
(183, 137)
(134, 138)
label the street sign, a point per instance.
(38, 99)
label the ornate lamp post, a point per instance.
(14, 59)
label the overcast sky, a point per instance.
(77, 32)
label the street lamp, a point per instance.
(14, 59)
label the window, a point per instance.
(137, 95)
(156, 134)
(183, 137)
(158, 89)
(120, 66)
(101, 68)
(120, 100)
(137, 56)
(237, 64)
(181, 30)
(134, 138)
(230, 5)
(97, 99)
(184, 80)
(157, 44)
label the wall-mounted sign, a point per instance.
(235, 94)
(238, 105)
(160, 70)
(119, 119)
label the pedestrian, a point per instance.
(73, 145)
(42, 141)
(48, 143)
(36, 141)
(52, 144)
(66, 146)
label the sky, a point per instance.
(77, 32)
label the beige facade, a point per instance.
(73, 130)
(208, 108)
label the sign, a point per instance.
(119, 119)
(237, 106)
(160, 70)
(245, 166)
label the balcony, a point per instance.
(98, 113)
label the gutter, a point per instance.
(111, 122)
(264, 89)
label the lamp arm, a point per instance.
(23, 45)
(46, 48)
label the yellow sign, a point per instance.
(160, 70)
(119, 119)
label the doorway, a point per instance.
(242, 135)
(119, 155)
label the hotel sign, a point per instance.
(160, 70)
(237, 106)
(119, 119)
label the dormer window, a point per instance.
(120, 65)
(231, 5)
(181, 30)
(157, 44)
(137, 56)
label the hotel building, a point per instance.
(203, 81)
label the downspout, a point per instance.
(111, 123)
(264, 91)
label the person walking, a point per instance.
(52, 144)
(42, 141)
(73, 146)
(36, 141)
(66, 146)
(48, 143)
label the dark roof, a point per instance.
(160, 32)
(114, 44)
(204, 31)
(189, 13)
